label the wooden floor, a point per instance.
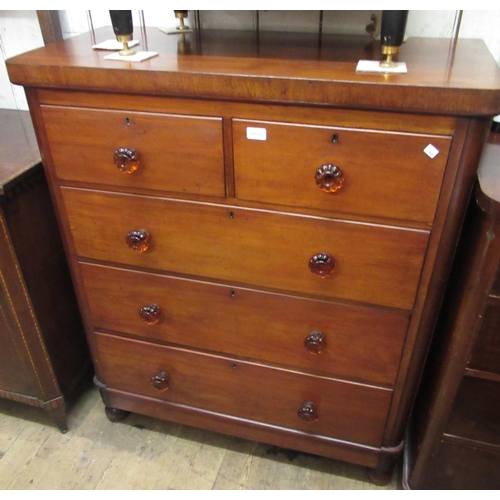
(149, 454)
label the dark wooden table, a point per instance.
(42, 346)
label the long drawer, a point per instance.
(347, 411)
(384, 174)
(347, 341)
(369, 263)
(181, 154)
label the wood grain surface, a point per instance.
(374, 264)
(247, 390)
(361, 343)
(277, 67)
(386, 175)
(178, 153)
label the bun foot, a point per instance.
(379, 478)
(115, 414)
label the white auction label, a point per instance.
(256, 133)
(431, 151)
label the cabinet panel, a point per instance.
(16, 373)
(458, 467)
(486, 352)
(476, 412)
(495, 289)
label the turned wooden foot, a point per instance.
(380, 477)
(115, 414)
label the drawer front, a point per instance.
(347, 341)
(181, 154)
(352, 412)
(381, 173)
(374, 264)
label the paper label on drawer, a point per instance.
(431, 151)
(256, 134)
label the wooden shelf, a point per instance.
(476, 412)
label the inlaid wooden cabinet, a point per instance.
(43, 352)
(261, 249)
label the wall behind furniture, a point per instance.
(20, 32)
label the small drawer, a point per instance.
(382, 174)
(180, 154)
(348, 341)
(316, 405)
(311, 255)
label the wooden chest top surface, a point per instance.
(444, 78)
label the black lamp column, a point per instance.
(122, 26)
(392, 34)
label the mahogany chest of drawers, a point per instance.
(259, 236)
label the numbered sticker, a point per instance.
(431, 151)
(256, 133)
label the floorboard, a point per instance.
(142, 453)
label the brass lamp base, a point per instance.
(181, 14)
(182, 28)
(126, 50)
(389, 52)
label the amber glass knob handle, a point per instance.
(127, 160)
(315, 342)
(308, 412)
(329, 178)
(150, 314)
(160, 381)
(322, 264)
(138, 240)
